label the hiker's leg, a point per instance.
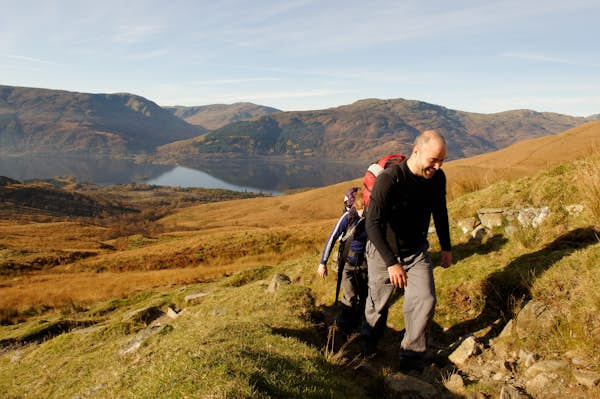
(419, 302)
(349, 317)
(362, 289)
(349, 285)
(380, 291)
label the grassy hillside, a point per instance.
(98, 326)
(524, 158)
(239, 339)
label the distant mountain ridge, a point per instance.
(54, 121)
(215, 116)
(369, 128)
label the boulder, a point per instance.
(465, 350)
(491, 217)
(532, 217)
(172, 313)
(527, 358)
(545, 366)
(587, 378)
(511, 392)
(535, 316)
(478, 233)
(542, 383)
(467, 225)
(404, 386)
(277, 281)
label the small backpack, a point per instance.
(375, 169)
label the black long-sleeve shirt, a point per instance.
(400, 209)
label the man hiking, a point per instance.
(404, 198)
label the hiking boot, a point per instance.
(347, 321)
(368, 346)
(411, 360)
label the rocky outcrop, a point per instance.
(518, 372)
(511, 218)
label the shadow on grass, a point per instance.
(311, 335)
(283, 377)
(472, 247)
(513, 283)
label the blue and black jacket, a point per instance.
(357, 242)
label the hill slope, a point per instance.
(368, 128)
(53, 121)
(524, 158)
(214, 116)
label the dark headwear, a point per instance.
(349, 198)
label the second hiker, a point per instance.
(352, 268)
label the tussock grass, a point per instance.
(570, 288)
(589, 175)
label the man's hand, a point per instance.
(446, 258)
(397, 275)
(322, 270)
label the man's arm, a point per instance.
(440, 220)
(337, 231)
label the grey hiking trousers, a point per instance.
(419, 298)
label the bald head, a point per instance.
(428, 154)
(427, 136)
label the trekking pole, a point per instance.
(340, 272)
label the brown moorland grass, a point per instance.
(204, 242)
(524, 158)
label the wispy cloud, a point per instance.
(291, 94)
(28, 59)
(545, 59)
(217, 82)
(359, 24)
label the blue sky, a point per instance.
(478, 56)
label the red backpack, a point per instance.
(375, 169)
